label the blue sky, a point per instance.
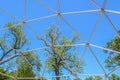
(82, 23)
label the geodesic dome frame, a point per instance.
(101, 10)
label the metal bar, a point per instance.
(113, 27)
(22, 54)
(82, 56)
(46, 6)
(95, 26)
(7, 59)
(15, 55)
(56, 30)
(36, 49)
(99, 47)
(97, 60)
(41, 18)
(7, 75)
(80, 12)
(93, 2)
(24, 10)
(58, 1)
(65, 64)
(71, 27)
(42, 49)
(36, 33)
(11, 15)
(66, 13)
(69, 75)
(111, 11)
(46, 47)
(115, 69)
(52, 76)
(22, 35)
(42, 75)
(104, 4)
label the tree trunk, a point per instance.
(57, 73)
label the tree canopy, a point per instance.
(2, 77)
(114, 77)
(25, 69)
(60, 54)
(94, 78)
(11, 43)
(113, 59)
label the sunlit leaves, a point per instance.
(113, 60)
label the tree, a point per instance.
(11, 41)
(60, 54)
(25, 69)
(89, 78)
(114, 77)
(113, 60)
(2, 77)
(94, 78)
(77, 79)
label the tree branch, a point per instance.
(2, 48)
(9, 58)
(5, 53)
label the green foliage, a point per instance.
(55, 63)
(89, 78)
(94, 78)
(113, 60)
(77, 79)
(13, 38)
(17, 35)
(16, 39)
(114, 77)
(24, 69)
(2, 77)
